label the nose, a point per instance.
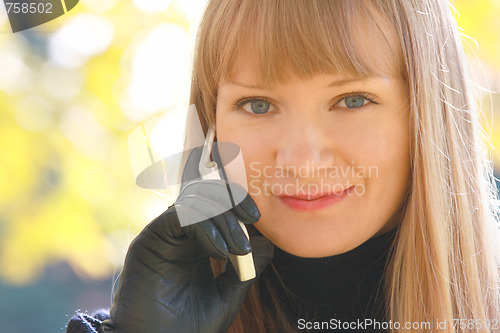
(304, 147)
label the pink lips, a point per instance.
(313, 202)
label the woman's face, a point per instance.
(327, 158)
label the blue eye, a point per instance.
(254, 105)
(259, 106)
(353, 102)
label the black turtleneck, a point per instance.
(346, 287)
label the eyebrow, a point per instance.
(337, 83)
(245, 85)
(344, 82)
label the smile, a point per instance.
(310, 202)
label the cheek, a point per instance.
(379, 150)
(394, 150)
(252, 138)
(255, 155)
(382, 143)
(251, 148)
(385, 155)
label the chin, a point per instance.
(304, 242)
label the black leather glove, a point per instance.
(167, 284)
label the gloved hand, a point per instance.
(167, 284)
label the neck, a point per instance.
(348, 284)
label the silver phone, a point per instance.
(243, 264)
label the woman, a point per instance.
(362, 149)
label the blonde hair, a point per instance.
(445, 262)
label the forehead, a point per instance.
(363, 43)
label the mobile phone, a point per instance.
(243, 264)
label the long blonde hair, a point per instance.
(445, 262)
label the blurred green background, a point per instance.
(71, 91)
